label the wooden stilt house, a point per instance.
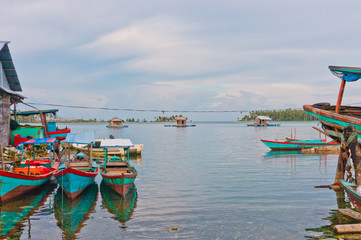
(116, 122)
(9, 86)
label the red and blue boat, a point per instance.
(77, 173)
(293, 144)
(46, 161)
(116, 172)
(18, 181)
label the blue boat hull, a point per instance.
(73, 181)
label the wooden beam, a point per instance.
(340, 95)
(350, 213)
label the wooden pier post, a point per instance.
(341, 164)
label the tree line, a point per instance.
(281, 115)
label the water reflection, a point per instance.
(71, 214)
(335, 218)
(16, 212)
(121, 207)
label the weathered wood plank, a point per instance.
(350, 213)
(348, 228)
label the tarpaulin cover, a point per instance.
(82, 138)
(40, 141)
(118, 142)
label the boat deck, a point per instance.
(118, 171)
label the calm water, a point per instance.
(212, 181)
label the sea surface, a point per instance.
(213, 181)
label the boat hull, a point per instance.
(13, 185)
(295, 145)
(74, 181)
(120, 183)
(352, 195)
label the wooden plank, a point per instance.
(117, 164)
(350, 213)
(79, 164)
(348, 228)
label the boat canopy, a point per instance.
(349, 74)
(40, 141)
(81, 138)
(28, 113)
(118, 142)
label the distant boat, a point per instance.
(116, 123)
(181, 122)
(354, 197)
(263, 121)
(77, 173)
(117, 173)
(297, 144)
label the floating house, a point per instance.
(116, 122)
(9, 88)
(262, 121)
(181, 122)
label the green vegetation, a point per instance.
(166, 119)
(281, 115)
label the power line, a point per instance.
(148, 110)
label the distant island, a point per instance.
(280, 115)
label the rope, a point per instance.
(155, 110)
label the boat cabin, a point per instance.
(181, 121)
(262, 120)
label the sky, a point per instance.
(207, 55)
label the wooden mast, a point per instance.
(340, 95)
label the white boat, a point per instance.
(98, 151)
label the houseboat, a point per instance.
(181, 122)
(116, 123)
(263, 121)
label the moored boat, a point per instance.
(77, 173)
(13, 184)
(136, 149)
(48, 160)
(354, 197)
(116, 172)
(297, 144)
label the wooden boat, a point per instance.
(46, 161)
(117, 173)
(71, 215)
(77, 173)
(136, 149)
(297, 144)
(354, 197)
(14, 184)
(47, 129)
(121, 207)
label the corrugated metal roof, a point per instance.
(9, 68)
(264, 118)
